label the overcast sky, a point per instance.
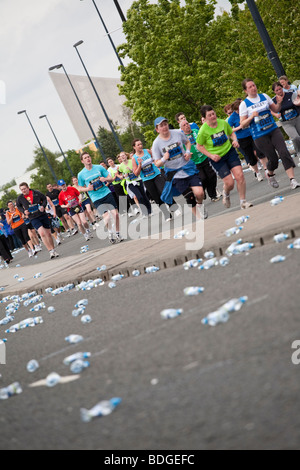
(34, 35)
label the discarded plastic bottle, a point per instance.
(32, 365)
(277, 259)
(193, 290)
(233, 231)
(209, 254)
(233, 305)
(12, 389)
(213, 318)
(78, 366)
(151, 269)
(117, 277)
(52, 379)
(21, 279)
(223, 261)
(241, 220)
(49, 290)
(103, 408)
(73, 339)
(181, 234)
(16, 276)
(209, 263)
(295, 244)
(276, 200)
(171, 312)
(111, 285)
(236, 249)
(78, 311)
(192, 263)
(280, 237)
(81, 303)
(86, 319)
(6, 320)
(37, 275)
(102, 268)
(51, 309)
(74, 357)
(136, 272)
(38, 307)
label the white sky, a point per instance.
(34, 35)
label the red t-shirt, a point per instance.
(71, 195)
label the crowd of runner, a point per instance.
(185, 161)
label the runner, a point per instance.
(181, 172)
(214, 141)
(32, 203)
(181, 117)
(62, 214)
(86, 204)
(15, 219)
(143, 166)
(255, 111)
(91, 179)
(206, 173)
(69, 199)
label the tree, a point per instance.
(8, 196)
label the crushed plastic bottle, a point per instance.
(193, 290)
(86, 319)
(192, 263)
(49, 290)
(171, 312)
(213, 318)
(78, 366)
(52, 379)
(280, 237)
(21, 279)
(295, 244)
(135, 272)
(276, 200)
(209, 254)
(74, 357)
(103, 408)
(181, 234)
(238, 247)
(37, 275)
(117, 277)
(102, 268)
(241, 220)
(233, 231)
(78, 311)
(151, 269)
(223, 261)
(12, 389)
(32, 365)
(277, 259)
(81, 303)
(209, 263)
(7, 319)
(38, 307)
(73, 339)
(111, 285)
(235, 304)
(51, 309)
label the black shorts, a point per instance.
(22, 233)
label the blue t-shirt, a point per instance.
(149, 170)
(234, 121)
(85, 177)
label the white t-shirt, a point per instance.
(257, 105)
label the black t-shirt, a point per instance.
(53, 195)
(288, 110)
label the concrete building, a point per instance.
(108, 93)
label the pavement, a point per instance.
(264, 222)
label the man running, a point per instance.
(33, 203)
(66, 220)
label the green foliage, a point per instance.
(7, 196)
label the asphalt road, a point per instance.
(184, 385)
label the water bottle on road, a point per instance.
(193, 290)
(12, 389)
(81, 303)
(295, 244)
(103, 408)
(280, 237)
(277, 259)
(52, 379)
(213, 318)
(209, 263)
(276, 200)
(32, 365)
(117, 277)
(73, 357)
(73, 339)
(241, 220)
(171, 312)
(233, 231)
(78, 366)
(151, 269)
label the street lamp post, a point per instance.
(66, 161)
(81, 107)
(99, 100)
(271, 52)
(108, 34)
(46, 158)
(120, 11)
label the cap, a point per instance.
(159, 120)
(61, 182)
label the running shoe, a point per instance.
(30, 253)
(259, 176)
(86, 236)
(119, 238)
(272, 181)
(177, 213)
(216, 198)
(53, 254)
(226, 200)
(111, 238)
(37, 248)
(294, 184)
(246, 205)
(74, 231)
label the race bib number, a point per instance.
(131, 176)
(148, 170)
(97, 184)
(265, 121)
(55, 202)
(16, 218)
(290, 114)
(33, 208)
(174, 151)
(73, 202)
(219, 138)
